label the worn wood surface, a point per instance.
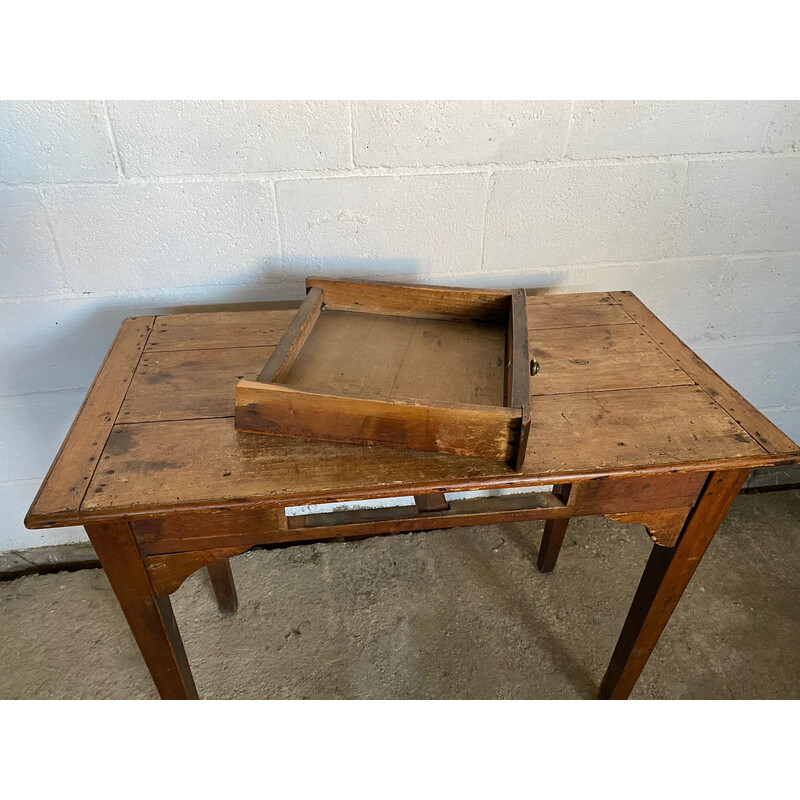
(519, 374)
(769, 436)
(403, 299)
(169, 570)
(184, 464)
(678, 490)
(564, 311)
(600, 358)
(67, 480)
(194, 486)
(664, 527)
(363, 353)
(280, 362)
(154, 466)
(665, 578)
(201, 530)
(393, 358)
(190, 384)
(204, 331)
(478, 431)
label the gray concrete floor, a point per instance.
(444, 614)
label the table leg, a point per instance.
(223, 585)
(150, 617)
(553, 536)
(665, 577)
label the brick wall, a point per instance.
(121, 208)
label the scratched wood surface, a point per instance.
(393, 357)
(650, 410)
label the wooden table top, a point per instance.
(617, 394)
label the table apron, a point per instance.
(636, 499)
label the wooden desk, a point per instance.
(627, 422)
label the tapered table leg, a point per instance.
(665, 577)
(223, 585)
(553, 536)
(150, 617)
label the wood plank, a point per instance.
(291, 342)
(190, 384)
(674, 424)
(202, 331)
(360, 351)
(481, 431)
(600, 358)
(73, 467)
(402, 358)
(453, 362)
(414, 300)
(206, 463)
(569, 298)
(562, 311)
(769, 436)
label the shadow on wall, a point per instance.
(62, 347)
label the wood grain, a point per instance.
(562, 311)
(413, 300)
(203, 331)
(167, 572)
(189, 384)
(292, 340)
(201, 530)
(478, 431)
(386, 357)
(664, 527)
(600, 358)
(669, 425)
(518, 361)
(184, 464)
(66, 482)
(770, 437)
(677, 490)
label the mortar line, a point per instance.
(59, 255)
(114, 145)
(569, 130)
(352, 136)
(274, 191)
(420, 170)
(489, 184)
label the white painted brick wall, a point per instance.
(445, 133)
(109, 209)
(412, 225)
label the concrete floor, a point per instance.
(446, 614)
